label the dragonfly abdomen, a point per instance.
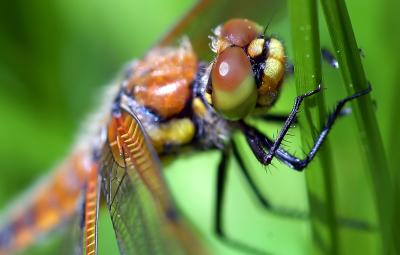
(53, 203)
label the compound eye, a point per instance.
(234, 91)
(240, 32)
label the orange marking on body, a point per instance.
(46, 211)
(53, 202)
(162, 80)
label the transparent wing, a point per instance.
(80, 234)
(144, 217)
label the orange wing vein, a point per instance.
(143, 213)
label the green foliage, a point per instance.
(349, 58)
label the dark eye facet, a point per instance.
(240, 32)
(234, 91)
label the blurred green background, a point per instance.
(55, 56)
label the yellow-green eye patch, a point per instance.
(234, 91)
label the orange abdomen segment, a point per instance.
(162, 80)
(50, 204)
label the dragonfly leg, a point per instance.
(267, 158)
(221, 181)
(263, 201)
(258, 142)
(277, 118)
(281, 118)
(218, 220)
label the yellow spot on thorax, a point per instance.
(174, 132)
(273, 73)
(198, 107)
(256, 47)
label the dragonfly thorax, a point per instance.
(162, 80)
(180, 102)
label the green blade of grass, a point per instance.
(394, 164)
(347, 53)
(307, 61)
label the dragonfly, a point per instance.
(165, 103)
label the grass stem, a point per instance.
(320, 184)
(348, 55)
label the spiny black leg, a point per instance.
(258, 141)
(219, 229)
(285, 212)
(325, 130)
(262, 200)
(286, 126)
(279, 118)
(220, 188)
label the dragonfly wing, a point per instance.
(80, 234)
(143, 214)
(207, 14)
(92, 202)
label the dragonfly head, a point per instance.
(247, 71)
